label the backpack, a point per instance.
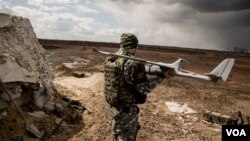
(118, 92)
(113, 77)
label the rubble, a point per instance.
(37, 114)
(50, 106)
(70, 65)
(16, 91)
(79, 74)
(218, 118)
(26, 82)
(176, 107)
(75, 69)
(3, 104)
(236, 118)
(23, 64)
(3, 115)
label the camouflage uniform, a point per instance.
(132, 91)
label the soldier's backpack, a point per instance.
(118, 92)
(113, 75)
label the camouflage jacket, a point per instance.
(133, 86)
(135, 75)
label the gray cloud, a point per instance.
(225, 20)
(201, 5)
(215, 5)
(206, 24)
(217, 24)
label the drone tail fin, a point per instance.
(223, 70)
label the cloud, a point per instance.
(5, 7)
(187, 23)
(55, 25)
(85, 9)
(199, 5)
(214, 5)
(53, 8)
(52, 2)
(113, 31)
(66, 19)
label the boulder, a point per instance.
(22, 59)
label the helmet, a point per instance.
(128, 41)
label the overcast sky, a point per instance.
(206, 24)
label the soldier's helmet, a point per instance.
(128, 41)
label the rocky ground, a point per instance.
(158, 123)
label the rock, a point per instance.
(3, 104)
(40, 99)
(37, 114)
(59, 107)
(218, 118)
(78, 74)
(58, 120)
(49, 106)
(70, 66)
(22, 58)
(3, 115)
(15, 91)
(81, 74)
(195, 119)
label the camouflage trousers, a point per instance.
(125, 123)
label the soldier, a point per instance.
(126, 85)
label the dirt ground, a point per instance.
(157, 122)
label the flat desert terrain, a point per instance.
(157, 122)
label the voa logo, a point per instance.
(236, 132)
